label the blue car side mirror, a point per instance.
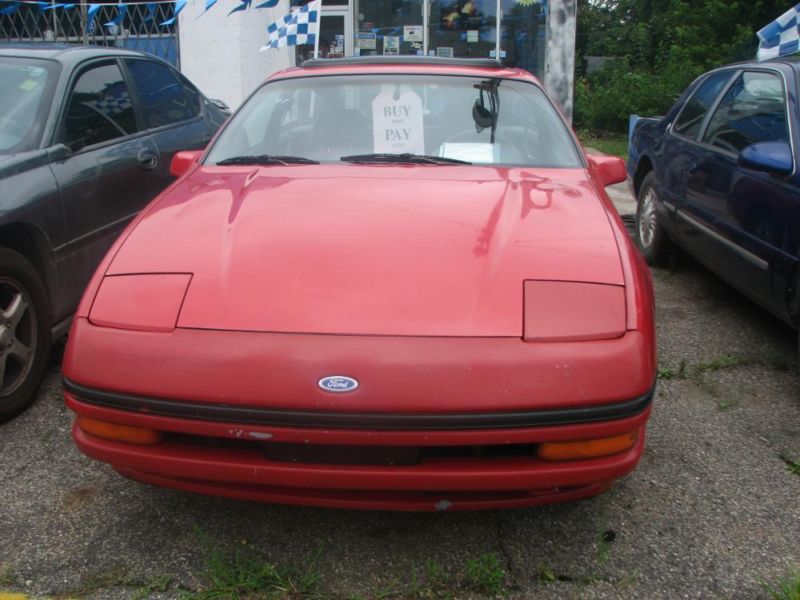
(771, 157)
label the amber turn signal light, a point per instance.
(126, 434)
(556, 451)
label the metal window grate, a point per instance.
(130, 26)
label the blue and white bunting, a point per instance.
(301, 26)
(179, 4)
(781, 37)
(305, 26)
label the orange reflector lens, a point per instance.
(587, 448)
(119, 433)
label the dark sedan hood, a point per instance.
(398, 250)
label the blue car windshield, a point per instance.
(26, 90)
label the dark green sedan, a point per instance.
(86, 139)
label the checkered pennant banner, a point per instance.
(301, 26)
(781, 37)
(111, 105)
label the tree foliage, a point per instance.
(656, 48)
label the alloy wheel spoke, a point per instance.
(19, 351)
(13, 314)
(3, 361)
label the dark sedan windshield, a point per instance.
(415, 118)
(24, 99)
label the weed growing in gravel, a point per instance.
(786, 589)
(241, 576)
(546, 574)
(6, 575)
(793, 467)
(157, 584)
(665, 373)
(719, 363)
(486, 575)
(115, 576)
(771, 360)
(430, 583)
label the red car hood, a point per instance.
(378, 250)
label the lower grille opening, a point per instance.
(331, 454)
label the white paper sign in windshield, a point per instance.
(470, 152)
(397, 122)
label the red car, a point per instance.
(388, 283)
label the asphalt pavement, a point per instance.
(713, 511)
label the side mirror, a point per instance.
(608, 169)
(770, 157)
(59, 152)
(182, 161)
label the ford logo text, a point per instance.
(338, 384)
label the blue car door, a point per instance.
(682, 151)
(740, 214)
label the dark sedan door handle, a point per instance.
(148, 160)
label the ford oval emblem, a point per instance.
(338, 384)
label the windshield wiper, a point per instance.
(418, 159)
(267, 159)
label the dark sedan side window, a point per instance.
(694, 111)
(165, 99)
(753, 110)
(99, 108)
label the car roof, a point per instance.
(63, 53)
(431, 65)
(790, 61)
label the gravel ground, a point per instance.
(712, 511)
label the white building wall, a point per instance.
(220, 54)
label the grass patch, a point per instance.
(428, 582)
(546, 575)
(241, 576)
(787, 588)
(7, 576)
(724, 362)
(155, 585)
(665, 373)
(613, 144)
(793, 467)
(486, 575)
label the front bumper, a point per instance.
(219, 423)
(241, 470)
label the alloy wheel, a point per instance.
(647, 218)
(18, 335)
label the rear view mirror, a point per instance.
(182, 161)
(608, 169)
(769, 157)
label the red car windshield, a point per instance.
(24, 99)
(398, 118)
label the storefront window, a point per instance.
(456, 28)
(524, 32)
(462, 28)
(388, 27)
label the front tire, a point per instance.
(24, 333)
(651, 238)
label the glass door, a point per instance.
(335, 35)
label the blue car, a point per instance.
(718, 177)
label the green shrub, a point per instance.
(605, 100)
